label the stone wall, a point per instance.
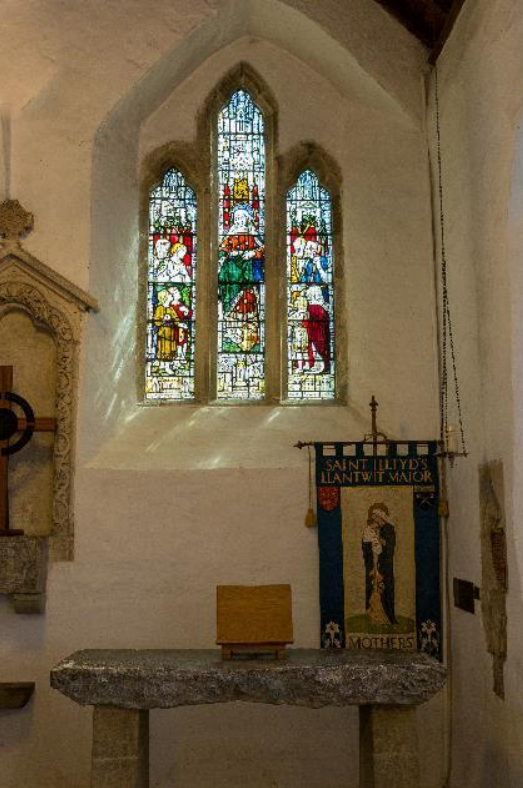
(172, 501)
(481, 69)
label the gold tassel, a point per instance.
(310, 518)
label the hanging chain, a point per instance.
(446, 321)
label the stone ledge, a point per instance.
(15, 695)
(314, 678)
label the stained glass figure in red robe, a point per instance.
(310, 291)
(317, 326)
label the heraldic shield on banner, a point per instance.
(379, 541)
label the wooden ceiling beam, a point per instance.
(428, 20)
(453, 14)
(424, 18)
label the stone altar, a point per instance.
(123, 685)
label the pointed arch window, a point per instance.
(171, 290)
(233, 315)
(310, 292)
(241, 250)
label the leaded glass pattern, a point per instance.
(171, 290)
(241, 250)
(310, 291)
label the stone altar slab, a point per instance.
(165, 679)
(123, 685)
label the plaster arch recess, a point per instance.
(323, 43)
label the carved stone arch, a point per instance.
(309, 155)
(57, 304)
(43, 312)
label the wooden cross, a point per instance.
(40, 425)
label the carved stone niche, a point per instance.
(40, 324)
(494, 568)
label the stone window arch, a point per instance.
(215, 300)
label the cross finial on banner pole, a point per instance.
(374, 410)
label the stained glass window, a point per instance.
(234, 344)
(310, 291)
(171, 303)
(241, 252)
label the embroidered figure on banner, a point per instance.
(378, 544)
(378, 560)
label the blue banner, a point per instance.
(379, 543)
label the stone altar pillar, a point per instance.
(388, 747)
(120, 755)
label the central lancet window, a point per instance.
(251, 317)
(241, 245)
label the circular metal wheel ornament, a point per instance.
(9, 423)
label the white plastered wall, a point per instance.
(480, 78)
(172, 501)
